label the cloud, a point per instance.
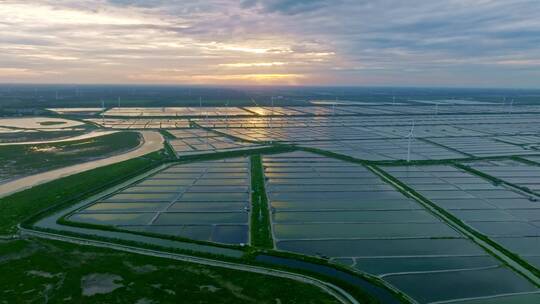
(140, 3)
(353, 42)
(288, 7)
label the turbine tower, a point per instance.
(227, 115)
(271, 111)
(271, 117)
(511, 106)
(410, 137)
(206, 128)
(103, 112)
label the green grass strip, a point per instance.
(261, 235)
(495, 180)
(167, 134)
(525, 161)
(29, 159)
(22, 205)
(423, 200)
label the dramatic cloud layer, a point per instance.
(348, 42)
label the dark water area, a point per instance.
(383, 295)
(43, 96)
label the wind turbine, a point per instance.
(410, 137)
(206, 127)
(207, 143)
(271, 117)
(271, 111)
(227, 115)
(511, 106)
(199, 114)
(394, 100)
(103, 112)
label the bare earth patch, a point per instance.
(100, 283)
(38, 123)
(145, 301)
(43, 274)
(49, 149)
(210, 288)
(142, 269)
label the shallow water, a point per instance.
(370, 248)
(364, 230)
(201, 218)
(355, 216)
(395, 265)
(461, 284)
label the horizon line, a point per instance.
(268, 86)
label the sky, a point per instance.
(454, 43)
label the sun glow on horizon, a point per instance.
(269, 42)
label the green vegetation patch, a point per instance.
(51, 123)
(22, 136)
(60, 272)
(22, 160)
(496, 180)
(422, 199)
(261, 235)
(19, 206)
(167, 134)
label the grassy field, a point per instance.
(167, 134)
(51, 123)
(39, 135)
(260, 220)
(47, 271)
(35, 271)
(17, 207)
(22, 160)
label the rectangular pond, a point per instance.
(207, 201)
(500, 212)
(354, 218)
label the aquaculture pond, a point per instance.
(506, 215)
(352, 217)
(206, 201)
